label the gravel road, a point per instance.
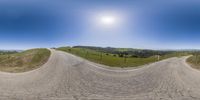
(67, 77)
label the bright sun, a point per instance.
(108, 20)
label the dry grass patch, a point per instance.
(24, 61)
(194, 61)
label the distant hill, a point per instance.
(140, 53)
(2, 52)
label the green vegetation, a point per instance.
(194, 60)
(120, 57)
(23, 61)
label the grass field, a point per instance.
(24, 61)
(194, 61)
(112, 59)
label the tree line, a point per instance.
(127, 52)
(7, 52)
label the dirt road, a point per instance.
(66, 77)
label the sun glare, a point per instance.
(108, 20)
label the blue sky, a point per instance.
(158, 24)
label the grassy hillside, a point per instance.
(194, 61)
(116, 60)
(23, 61)
(140, 53)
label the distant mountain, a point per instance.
(2, 52)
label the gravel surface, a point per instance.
(67, 77)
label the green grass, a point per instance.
(194, 61)
(111, 59)
(24, 61)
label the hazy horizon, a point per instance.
(160, 49)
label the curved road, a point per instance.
(67, 77)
